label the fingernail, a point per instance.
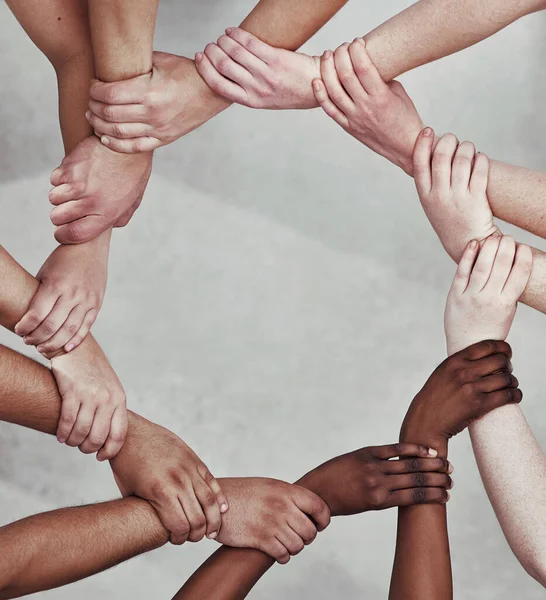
(40, 348)
(327, 54)
(356, 40)
(223, 508)
(88, 115)
(212, 536)
(100, 458)
(448, 497)
(69, 347)
(452, 483)
(432, 452)
(450, 469)
(427, 132)
(316, 86)
(25, 340)
(104, 140)
(229, 30)
(61, 439)
(199, 57)
(473, 244)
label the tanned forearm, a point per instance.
(122, 32)
(422, 562)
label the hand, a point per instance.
(483, 298)
(95, 189)
(465, 387)
(243, 69)
(378, 114)
(272, 516)
(452, 182)
(149, 111)
(72, 284)
(367, 479)
(158, 466)
(93, 410)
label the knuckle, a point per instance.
(72, 328)
(419, 479)
(419, 495)
(198, 522)
(119, 130)
(377, 499)
(413, 464)
(209, 499)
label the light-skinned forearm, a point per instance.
(422, 562)
(431, 29)
(513, 470)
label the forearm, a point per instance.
(422, 563)
(513, 470)
(56, 548)
(431, 29)
(122, 33)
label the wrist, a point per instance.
(413, 432)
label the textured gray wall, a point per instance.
(278, 299)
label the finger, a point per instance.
(442, 160)
(218, 83)
(131, 145)
(521, 272)
(480, 174)
(86, 325)
(365, 69)
(69, 413)
(118, 130)
(402, 449)
(490, 365)
(321, 96)
(483, 265)
(335, 90)
(207, 499)
(498, 381)
(60, 175)
(71, 211)
(502, 265)
(422, 161)
(83, 424)
(98, 433)
(419, 480)
(82, 230)
(417, 465)
(486, 348)
(116, 435)
(254, 45)
(212, 482)
(347, 75)
(116, 113)
(500, 398)
(313, 506)
(276, 550)
(290, 540)
(418, 496)
(242, 56)
(174, 519)
(130, 91)
(40, 306)
(194, 513)
(462, 165)
(66, 332)
(227, 67)
(464, 268)
(51, 324)
(63, 193)
(303, 527)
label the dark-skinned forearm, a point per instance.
(422, 563)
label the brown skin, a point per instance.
(366, 480)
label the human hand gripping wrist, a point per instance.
(380, 115)
(69, 298)
(245, 70)
(482, 301)
(93, 409)
(152, 110)
(156, 465)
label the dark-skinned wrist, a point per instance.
(413, 433)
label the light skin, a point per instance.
(143, 114)
(502, 437)
(241, 69)
(94, 418)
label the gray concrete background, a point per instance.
(277, 299)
